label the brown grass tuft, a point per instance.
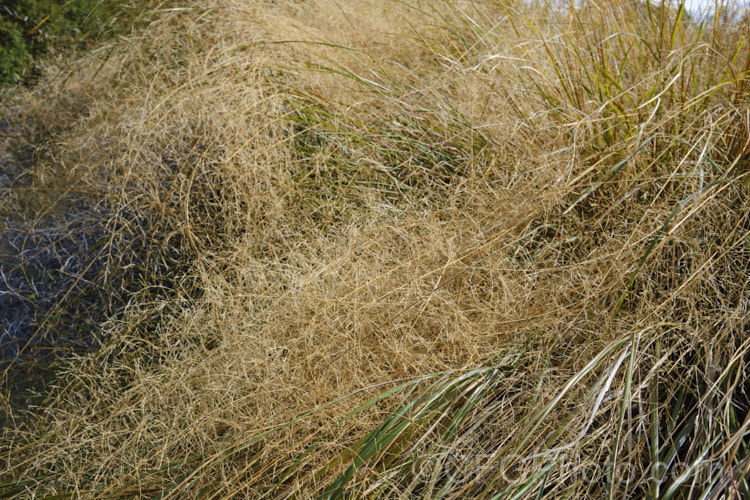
(426, 249)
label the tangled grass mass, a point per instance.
(381, 249)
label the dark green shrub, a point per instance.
(13, 50)
(30, 29)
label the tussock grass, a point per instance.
(388, 249)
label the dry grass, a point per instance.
(424, 249)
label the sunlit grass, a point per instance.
(386, 249)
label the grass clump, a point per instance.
(396, 249)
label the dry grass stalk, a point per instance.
(427, 249)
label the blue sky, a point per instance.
(696, 6)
